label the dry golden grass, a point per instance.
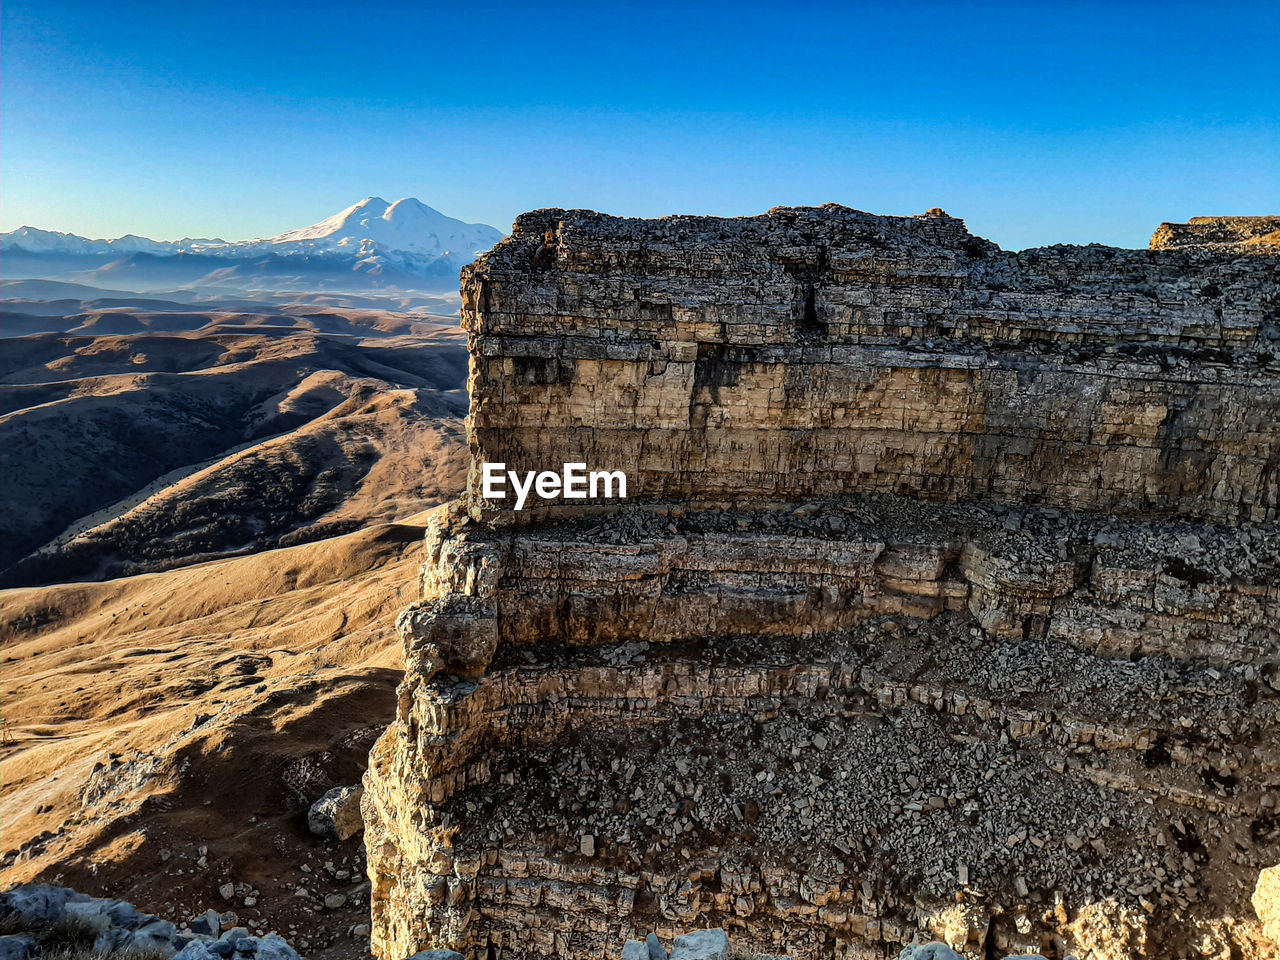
(153, 714)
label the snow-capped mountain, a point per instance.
(407, 225)
(371, 243)
(35, 240)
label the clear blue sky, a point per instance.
(1037, 122)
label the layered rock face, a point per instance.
(1199, 231)
(945, 600)
(808, 353)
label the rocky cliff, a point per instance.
(945, 598)
(812, 352)
(1201, 231)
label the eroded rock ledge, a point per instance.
(810, 352)
(1201, 231)
(947, 601)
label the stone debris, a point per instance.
(1201, 231)
(929, 951)
(237, 945)
(940, 951)
(945, 602)
(336, 815)
(701, 945)
(208, 924)
(698, 945)
(119, 928)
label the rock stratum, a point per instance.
(944, 605)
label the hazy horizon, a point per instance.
(1037, 124)
(503, 228)
(211, 237)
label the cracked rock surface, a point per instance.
(944, 606)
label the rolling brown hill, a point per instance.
(150, 717)
(140, 452)
(206, 535)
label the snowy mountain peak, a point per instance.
(35, 240)
(408, 225)
(406, 239)
(352, 218)
(411, 206)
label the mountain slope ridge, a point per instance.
(405, 245)
(408, 225)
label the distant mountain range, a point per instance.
(372, 245)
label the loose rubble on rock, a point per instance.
(336, 815)
(714, 945)
(945, 604)
(940, 951)
(320, 905)
(51, 918)
(698, 945)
